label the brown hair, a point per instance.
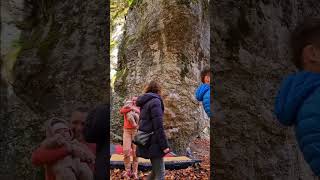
(306, 33)
(206, 71)
(153, 87)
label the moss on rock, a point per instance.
(48, 43)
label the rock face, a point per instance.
(60, 62)
(10, 11)
(167, 41)
(249, 56)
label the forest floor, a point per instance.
(200, 149)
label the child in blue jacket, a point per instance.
(298, 101)
(203, 92)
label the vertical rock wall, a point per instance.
(167, 41)
(249, 56)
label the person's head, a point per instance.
(78, 119)
(58, 126)
(153, 87)
(205, 75)
(134, 100)
(305, 44)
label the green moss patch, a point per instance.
(184, 66)
(8, 63)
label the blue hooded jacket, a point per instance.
(298, 104)
(203, 94)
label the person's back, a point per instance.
(298, 101)
(151, 120)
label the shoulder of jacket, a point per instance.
(154, 101)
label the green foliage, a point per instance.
(133, 3)
(118, 11)
(206, 7)
(113, 43)
(130, 2)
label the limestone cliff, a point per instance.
(167, 41)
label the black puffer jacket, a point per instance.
(97, 131)
(151, 120)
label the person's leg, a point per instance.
(161, 173)
(152, 174)
(158, 169)
(126, 150)
(135, 158)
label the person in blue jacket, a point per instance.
(203, 92)
(298, 100)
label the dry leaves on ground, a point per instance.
(199, 171)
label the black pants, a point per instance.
(158, 169)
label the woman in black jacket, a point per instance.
(97, 131)
(151, 120)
